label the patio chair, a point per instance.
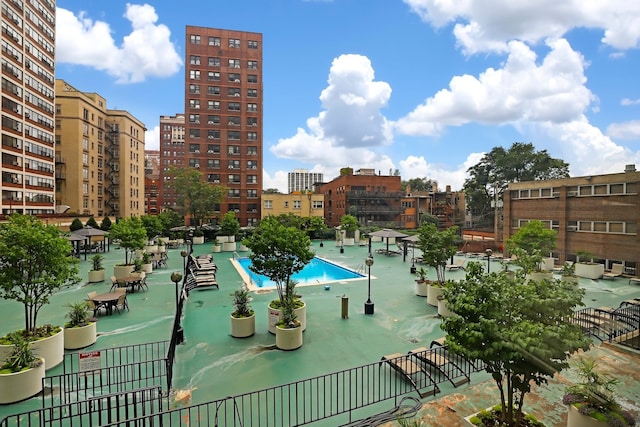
(92, 294)
(114, 283)
(122, 302)
(457, 264)
(616, 271)
(412, 372)
(94, 307)
(449, 369)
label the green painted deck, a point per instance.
(211, 364)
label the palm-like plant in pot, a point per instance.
(279, 251)
(80, 331)
(22, 372)
(96, 274)
(243, 319)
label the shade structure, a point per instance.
(387, 233)
(75, 240)
(89, 232)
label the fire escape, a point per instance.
(446, 210)
(376, 208)
(112, 171)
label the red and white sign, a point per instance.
(90, 361)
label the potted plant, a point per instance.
(488, 417)
(80, 331)
(229, 228)
(198, 237)
(147, 265)
(217, 246)
(278, 251)
(36, 263)
(349, 224)
(516, 354)
(21, 374)
(585, 267)
(592, 401)
(96, 274)
(530, 244)
(421, 282)
(243, 318)
(132, 236)
(289, 329)
(437, 247)
(568, 273)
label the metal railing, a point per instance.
(611, 325)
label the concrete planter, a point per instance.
(198, 240)
(540, 275)
(147, 268)
(96, 276)
(151, 249)
(571, 279)
(122, 271)
(229, 247)
(422, 289)
(51, 349)
(216, 248)
(81, 337)
(288, 339)
(433, 292)
(242, 248)
(274, 317)
(576, 419)
(443, 308)
(589, 271)
(21, 385)
(349, 241)
(242, 327)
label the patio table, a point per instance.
(108, 300)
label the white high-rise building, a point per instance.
(302, 180)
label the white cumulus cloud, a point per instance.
(147, 51)
(625, 130)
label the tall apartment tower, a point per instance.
(99, 156)
(302, 180)
(172, 153)
(223, 108)
(151, 182)
(28, 68)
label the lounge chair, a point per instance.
(457, 264)
(616, 271)
(634, 280)
(435, 359)
(412, 372)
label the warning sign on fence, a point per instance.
(90, 361)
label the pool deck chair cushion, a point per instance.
(458, 264)
(413, 372)
(446, 367)
(616, 271)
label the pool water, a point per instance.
(318, 271)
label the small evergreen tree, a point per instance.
(105, 225)
(75, 225)
(91, 222)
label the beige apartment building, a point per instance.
(99, 156)
(28, 40)
(303, 204)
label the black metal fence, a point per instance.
(94, 411)
(620, 325)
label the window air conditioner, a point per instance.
(572, 228)
(572, 193)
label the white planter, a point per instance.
(163, 241)
(147, 268)
(84, 336)
(229, 247)
(151, 249)
(51, 349)
(162, 249)
(288, 339)
(443, 308)
(242, 248)
(540, 275)
(422, 289)
(242, 327)
(274, 317)
(21, 385)
(198, 240)
(547, 264)
(433, 292)
(349, 241)
(571, 279)
(229, 239)
(216, 248)
(96, 276)
(576, 419)
(376, 239)
(122, 271)
(589, 271)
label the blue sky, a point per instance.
(423, 86)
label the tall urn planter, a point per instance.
(243, 318)
(275, 315)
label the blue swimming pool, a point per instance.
(317, 272)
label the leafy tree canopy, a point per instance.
(489, 178)
(35, 262)
(279, 251)
(105, 225)
(194, 196)
(131, 233)
(152, 225)
(229, 226)
(169, 219)
(531, 243)
(75, 225)
(271, 191)
(437, 247)
(419, 184)
(349, 223)
(518, 329)
(91, 222)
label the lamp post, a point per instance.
(412, 270)
(488, 252)
(175, 278)
(368, 306)
(184, 254)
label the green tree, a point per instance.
(271, 191)
(278, 251)
(437, 247)
(489, 178)
(229, 226)
(349, 224)
(105, 225)
(519, 330)
(419, 184)
(314, 225)
(169, 219)
(36, 262)
(75, 225)
(531, 243)
(91, 222)
(152, 225)
(194, 196)
(131, 233)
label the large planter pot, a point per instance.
(147, 268)
(274, 317)
(122, 271)
(21, 385)
(198, 240)
(80, 337)
(229, 247)
(242, 248)
(51, 349)
(216, 248)
(547, 264)
(589, 271)
(422, 289)
(468, 422)
(443, 308)
(576, 419)
(163, 240)
(433, 292)
(96, 276)
(540, 275)
(571, 279)
(288, 339)
(376, 239)
(242, 327)
(349, 241)
(151, 249)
